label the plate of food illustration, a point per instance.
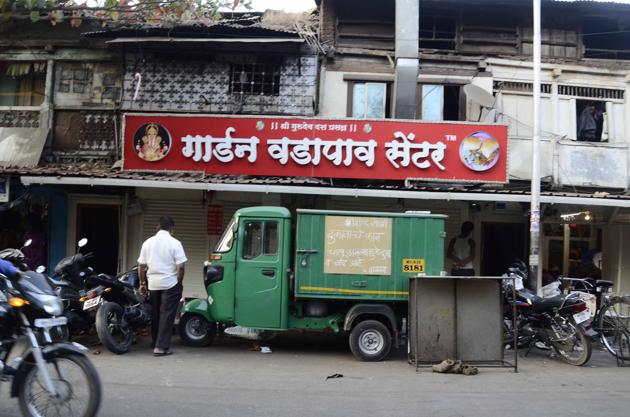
(479, 151)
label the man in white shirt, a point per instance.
(161, 263)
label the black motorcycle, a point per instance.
(122, 310)
(47, 378)
(546, 322)
(71, 280)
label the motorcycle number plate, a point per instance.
(45, 323)
(92, 302)
(581, 316)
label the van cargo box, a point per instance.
(365, 255)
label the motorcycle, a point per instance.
(545, 322)
(18, 259)
(121, 310)
(47, 378)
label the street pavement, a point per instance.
(231, 379)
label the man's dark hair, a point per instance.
(166, 223)
(467, 227)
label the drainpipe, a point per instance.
(406, 78)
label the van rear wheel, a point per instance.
(195, 330)
(370, 340)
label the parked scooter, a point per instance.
(47, 376)
(552, 322)
(16, 256)
(122, 310)
(71, 280)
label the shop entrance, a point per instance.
(501, 244)
(570, 250)
(99, 223)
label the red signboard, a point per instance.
(215, 219)
(325, 148)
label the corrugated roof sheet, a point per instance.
(269, 23)
(87, 170)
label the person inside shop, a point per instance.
(161, 271)
(461, 250)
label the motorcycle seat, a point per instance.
(604, 283)
(546, 304)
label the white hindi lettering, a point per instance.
(295, 127)
(402, 145)
(400, 152)
(310, 151)
(223, 149)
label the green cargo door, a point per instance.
(259, 275)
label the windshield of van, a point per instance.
(225, 242)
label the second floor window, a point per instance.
(22, 83)
(438, 102)
(369, 100)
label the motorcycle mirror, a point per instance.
(27, 243)
(40, 269)
(82, 242)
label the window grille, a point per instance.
(520, 87)
(255, 79)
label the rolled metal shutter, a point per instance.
(191, 221)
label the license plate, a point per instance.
(581, 316)
(45, 323)
(92, 302)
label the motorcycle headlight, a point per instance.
(52, 305)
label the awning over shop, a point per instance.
(495, 195)
(21, 146)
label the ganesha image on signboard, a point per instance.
(479, 151)
(152, 142)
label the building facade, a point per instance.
(66, 95)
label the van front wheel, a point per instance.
(370, 340)
(195, 330)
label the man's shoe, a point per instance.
(443, 366)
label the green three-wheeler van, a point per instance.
(324, 271)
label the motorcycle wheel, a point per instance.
(76, 382)
(195, 330)
(113, 332)
(576, 348)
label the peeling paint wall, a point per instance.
(586, 165)
(79, 83)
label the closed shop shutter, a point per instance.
(190, 228)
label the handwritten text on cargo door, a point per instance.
(358, 245)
